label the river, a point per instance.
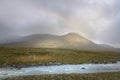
(59, 69)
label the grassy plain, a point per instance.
(36, 56)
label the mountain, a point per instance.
(68, 41)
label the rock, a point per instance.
(82, 68)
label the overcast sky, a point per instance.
(97, 20)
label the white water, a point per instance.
(61, 69)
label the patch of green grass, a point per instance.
(97, 76)
(28, 56)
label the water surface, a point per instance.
(61, 69)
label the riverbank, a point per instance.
(95, 76)
(24, 57)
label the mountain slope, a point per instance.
(68, 41)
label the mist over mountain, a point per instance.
(67, 41)
(96, 20)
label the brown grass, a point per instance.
(28, 56)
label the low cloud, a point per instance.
(97, 20)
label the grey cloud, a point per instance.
(111, 34)
(94, 19)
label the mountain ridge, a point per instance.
(67, 41)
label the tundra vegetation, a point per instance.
(37, 56)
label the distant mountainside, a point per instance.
(68, 41)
